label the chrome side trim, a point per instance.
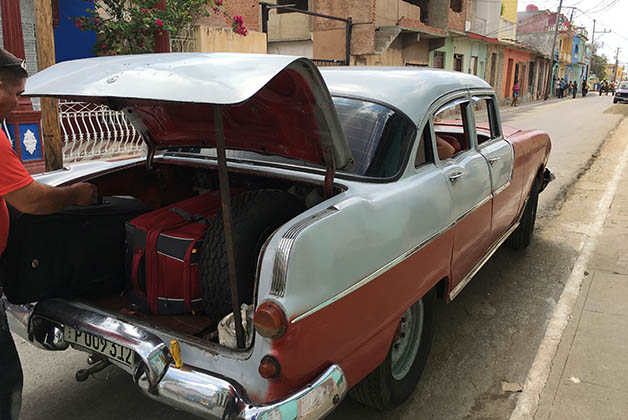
(280, 267)
(454, 292)
(373, 275)
(502, 188)
(474, 208)
(213, 397)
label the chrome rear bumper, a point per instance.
(192, 390)
(548, 176)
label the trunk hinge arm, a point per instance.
(139, 126)
(150, 156)
(225, 198)
(330, 173)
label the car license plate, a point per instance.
(114, 351)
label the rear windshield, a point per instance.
(378, 137)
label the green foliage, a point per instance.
(129, 26)
(598, 66)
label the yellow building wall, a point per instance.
(214, 39)
(388, 12)
(509, 10)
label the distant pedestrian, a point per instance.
(570, 87)
(516, 90)
(562, 88)
(557, 88)
(575, 89)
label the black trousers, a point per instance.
(11, 378)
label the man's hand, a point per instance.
(86, 194)
(36, 198)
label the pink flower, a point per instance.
(238, 25)
(78, 23)
(159, 23)
(218, 2)
(144, 10)
(96, 21)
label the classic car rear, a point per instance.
(621, 94)
(343, 224)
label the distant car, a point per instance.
(621, 94)
(373, 224)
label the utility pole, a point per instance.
(593, 39)
(616, 65)
(49, 106)
(551, 69)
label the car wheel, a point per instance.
(255, 215)
(522, 236)
(393, 381)
(614, 101)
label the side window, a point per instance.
(450, 129)
(424, 150)
(486, 124)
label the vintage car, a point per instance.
(621, 94)
(360, 224)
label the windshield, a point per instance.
(624, 85)
(377, 135)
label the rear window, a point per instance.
(377, 135)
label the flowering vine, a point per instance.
(129, 26)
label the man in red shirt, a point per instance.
(19, 189)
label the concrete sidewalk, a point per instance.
(589, 373)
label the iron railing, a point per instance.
(326, 63)
(184, 40)
(91, 131)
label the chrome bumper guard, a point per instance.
(548, 177)
(192, 390)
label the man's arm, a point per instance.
(36, 198)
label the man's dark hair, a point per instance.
(11, 68)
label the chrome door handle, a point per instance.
(453, 178)
(492, 161)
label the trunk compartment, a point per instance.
(261, 199)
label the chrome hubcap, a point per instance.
(406, 344)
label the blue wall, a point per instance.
(577, 45)
(70, 42)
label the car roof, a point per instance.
(409, 89)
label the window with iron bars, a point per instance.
(297, 4)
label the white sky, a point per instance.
(609, 15)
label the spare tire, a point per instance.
(255, 215)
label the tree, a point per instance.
(128, 26)
(598, 66)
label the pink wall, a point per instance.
(518, 57)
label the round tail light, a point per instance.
(269, 367)
(270, 321)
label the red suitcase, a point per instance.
(163, 252)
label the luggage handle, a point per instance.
(135, 268)
(196, 218)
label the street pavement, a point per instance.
(487, 339)
(588, 378)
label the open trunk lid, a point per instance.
(271, 104)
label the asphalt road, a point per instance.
(489, 334)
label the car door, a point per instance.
(468, 178)
(499, 154)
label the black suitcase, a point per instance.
(78, 252)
